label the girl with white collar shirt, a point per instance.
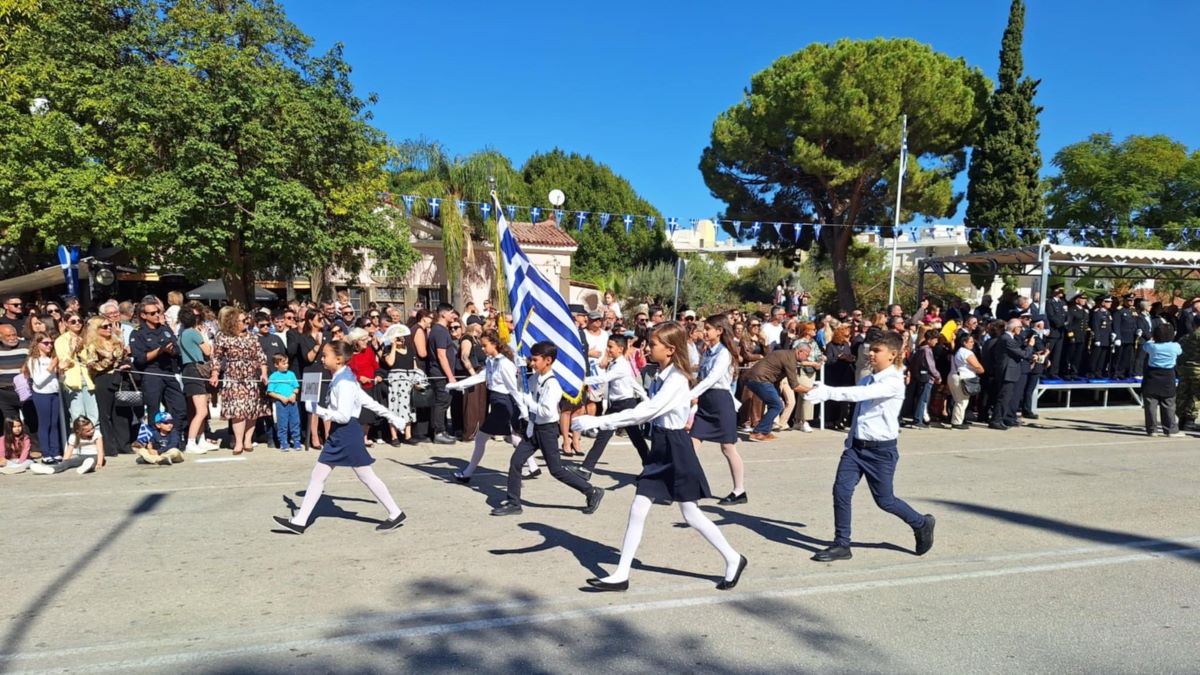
(716, 414)
(506, 408)
(344, 446)
(624, 391)
(672, 472)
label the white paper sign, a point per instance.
(310, 388)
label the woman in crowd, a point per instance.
(77, 387)
(364, 366)
(195, 351)
(839, 372)
(54, 315)
(240, 366)
(399, 360)
(15, 445)
(471, 358)
(611, 304)
(716, 418)
(964, 378)
(312, 337)
(752, 348)
(36, 325)
(806, 371)
(1158, 381)
(41, 368)
(106, 358)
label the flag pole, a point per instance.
(896, 219)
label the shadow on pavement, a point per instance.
(26, 620)
(327, 507)
(1099, 535)
(782, 532)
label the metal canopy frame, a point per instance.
(1045, 260)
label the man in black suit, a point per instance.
(1125, 326)
(1008, 357)
(1102, 338)
(285, 330)
(1076, 350)
(1056, 318)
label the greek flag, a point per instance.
(540, 313)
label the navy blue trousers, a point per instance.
(879, 467)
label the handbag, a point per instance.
(128, 395)
(422, 397)
(971, 386)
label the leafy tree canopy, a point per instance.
(816, 138)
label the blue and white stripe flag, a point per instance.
(540, 313)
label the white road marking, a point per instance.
(163, 661)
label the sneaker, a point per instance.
(806, 428)
(42, 469)
(194, 448)
(49, 461)
(507, 508)
(284, 449)
(207, 445)
(89, 465)
(13, 468)
(593, 500)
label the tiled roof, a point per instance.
(545, 233)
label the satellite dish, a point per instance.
(557, 197)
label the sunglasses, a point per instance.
(150, 313)
(73, 322)
(52, 310)
(46, 342)
(455, 327)
(289, 317)
(15, 304)
(373, 316)
(264, 325)
(105, 326)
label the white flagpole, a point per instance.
(899, 190)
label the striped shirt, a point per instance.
(11, 360)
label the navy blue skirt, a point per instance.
(672, 472)
(716, 418)
(503, 416)
(345, 447)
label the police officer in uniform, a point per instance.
(1126, 329)
(1145, 328)
(1036, 365)
(1057, 316)
(1102, 338)
(1076, 338)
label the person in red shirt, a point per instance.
(365, 365)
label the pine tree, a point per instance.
(1004, 195)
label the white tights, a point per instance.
(694, 517)
(481, 440)
(316, 486)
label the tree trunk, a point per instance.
(238, 277)
(837, 243)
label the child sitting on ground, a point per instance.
(161, 444)
(84, 451)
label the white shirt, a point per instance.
(960, 364)
(542, 402)
(716, 371)
(615, 308)
(347, 399)
(772, 332)
(879, 398)
(619, 377)
(42, 380)
(500, 376)
(668, 407)
(597, 342)
(84, 447)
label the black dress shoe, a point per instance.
(461, 479)
(925, 535)
(726, 584)
(391, 524)
(507, 508)
(608, 586)
(289, 525)
(593, 500)
(443, 439)
(833, 553)
(733, 498)
(1029, 416)
(532, 474)
(998, 426)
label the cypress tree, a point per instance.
(1004, 195)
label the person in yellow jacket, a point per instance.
(78, 390)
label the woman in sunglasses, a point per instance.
(105, 356)
(78, 389)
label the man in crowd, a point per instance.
(1008, 359)
(441, 364)
(1103, 339)
(1125, 327)
(14, 313)
(763, 381)
(772, 329)
(1077, 339)
(13, 352)
(1056, 319)
(156, 353)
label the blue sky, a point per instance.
(637, 85)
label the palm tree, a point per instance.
(426, 170)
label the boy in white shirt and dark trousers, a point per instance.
(623, 394)
(871, 447)
(542, 434)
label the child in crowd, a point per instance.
(14, 447)
(624, 391)
(542, 434)
(161, 444)
(283, 386)
(84, 451)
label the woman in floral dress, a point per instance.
(241, 367)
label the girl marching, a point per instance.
(716, 415)
(344, 445)
(505, 410)
(672, 471)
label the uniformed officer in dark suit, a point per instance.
(1057, 315)
(1126, 329)
(1036, 365)
(1008, 357)
(1102, 338)
(1145, 328)
(1075, 347)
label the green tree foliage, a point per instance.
(1004, 195)
(605, 254)
(1143, 192)
(816, 138)
(706, 287)
(757, 283)
(197, 134)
